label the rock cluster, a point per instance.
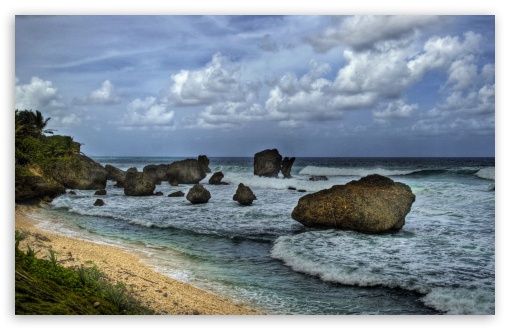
(373, 204)
(269, 163)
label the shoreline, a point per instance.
(165, 295)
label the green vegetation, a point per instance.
(43, 287)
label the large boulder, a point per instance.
(158, 173)
(216, 179)
(114, 173)
(267, 163)
(287, 167)
(198, 194)
(185, 171)
(373, 204)
(78, 172)
(244, 195)
(138, 184)
(204, 162)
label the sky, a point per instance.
(309, 85)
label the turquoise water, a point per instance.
(443, 261)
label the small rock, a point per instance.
(99, 202)
(177, 194)
(100, 192)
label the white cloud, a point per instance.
(462, 73)
(396, 109)
(106, 94)
(364, 32)
(148, 113)
(38, 95)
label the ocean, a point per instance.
(441, 262)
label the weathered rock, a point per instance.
(72, 192)
(185, 171)
(173, 182)
(100, 192)
(318, 178)
(373, 204)
(287, 167)
(35, 186)
(119, 184)
(158, 173)
(216, 178)
(114, 173)
(301, 190)
(138, 184)
(158, 193)
(198, 194)
(176, 194)
(267, 163)
(99, 202)
(244, 195)
(204, 162)
(78, 172)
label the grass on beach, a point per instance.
(43, 287)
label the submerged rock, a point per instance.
(318, 178)
(198, 194)
(373, 204)
(244, 195)
(267, 163)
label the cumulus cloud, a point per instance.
(218, 81)
(365, 32)
(147, 113)
(396, 109)
(106, 94)
(38, 95)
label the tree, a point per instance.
(30, 123)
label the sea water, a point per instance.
(441, 262)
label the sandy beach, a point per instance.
(162, 294)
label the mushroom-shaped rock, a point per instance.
(267, 163)
(138, 184)
(287, 167)
(244, 195)
(198, 194)
(373, 204)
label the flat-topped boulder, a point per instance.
(138, 184)
(373, 204)
(185, 171)
(267, 163)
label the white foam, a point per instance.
(350, 171)
(488, 173)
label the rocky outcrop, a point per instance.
(216, 179)
(176, 194)
(198, 194)
(244, 195)
(138, 184)
(373, 204)
(33, 185)
(115, 174)
(267, 163)
(78, 172)
(158, 173)
(287, 167)
(185, 172)
(204, 162)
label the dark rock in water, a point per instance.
(319, 178)
(185, 171)
(173, 182)
(78, 172)
(244, 195)
(115, 174)
(292, 188)
(267, 163)
(287, 167)
(138, 184)
(176, 194)
(373, 204)
(158, 173)
(204, 162)
(158, 193)
(301, 190)
(119, 184)
(198, 194)
(99, 202)
(216, 178)
(100, 192)
(72, 192)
